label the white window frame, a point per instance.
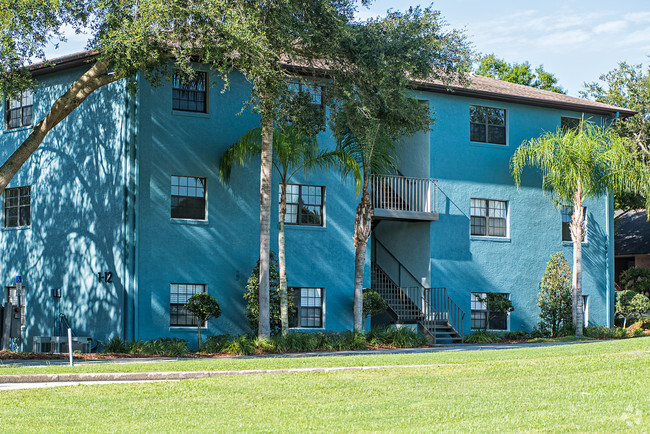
(487, 218)
(297, 204)
(474, 300)
(488, 125)
(298, 299)
(200, 179)
(178, 84)
(19, 104)
(18, 207)
(566, 215)
(202, 286)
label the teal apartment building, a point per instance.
(120, 215)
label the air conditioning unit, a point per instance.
(59, 344)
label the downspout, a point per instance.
(609, 222)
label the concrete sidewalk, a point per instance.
(29, 381)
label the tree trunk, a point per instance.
(199, 330)
(96, 77)
(284, 301)
(577, 235)
(362, 229)
(264, 328)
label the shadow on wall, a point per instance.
(77, 222)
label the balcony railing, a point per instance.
(401, 197)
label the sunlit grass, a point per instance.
(600, 386)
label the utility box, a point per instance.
(15, 322)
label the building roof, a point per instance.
(479, 87)
(632, 233)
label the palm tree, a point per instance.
(590, 161)
(295, 151)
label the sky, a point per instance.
(576, 40)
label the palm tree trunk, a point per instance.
(362, 228)
(96, 77)
(264, 328)
(577, 235)
(284, 301)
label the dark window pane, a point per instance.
(496, 117)
(499, 322)
(478, 225)
(568, 124)
(477, 132)
(190, 95)
(477, 114)
(188, 198)
(497, 135)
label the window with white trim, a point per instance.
(19, 110)
(567, 216)
(188, 198)
(305, 205)
(179, 294)
(190, 94)
(309, 307)
(489, 218)
(482, 318)
(568, 124)
(16, 205)
(487, 124)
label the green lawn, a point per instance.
(600, 386)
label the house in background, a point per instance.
(631, 241)
(120, 216)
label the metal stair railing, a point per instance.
(403, 193)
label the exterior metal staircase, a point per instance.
(435, 313)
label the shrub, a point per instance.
(243, 345)
(165, 347)
(630, 304)
(115, 345)
(599, 332)
(482, 337)
(539, 332)
(554, 297)
(203, 306)
(216, 343)
(636, 279)
(373, 303)
(621, 332)
(252, 297)
(402, 337)
(516, 335)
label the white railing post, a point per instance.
(400, 193)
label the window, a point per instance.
(487, 125)
(482, 318)
(568, 124)
(179, 294)
(188, 197)
(17, 299)
(488, 218)
(309, 304)
(312, 90)
(189, 95)
(19, 110)
(17, 207)
(567, 216)
(304, 205)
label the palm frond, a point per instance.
(248, 146)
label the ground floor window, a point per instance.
(481, 317)
(179, 294)
(309, 306)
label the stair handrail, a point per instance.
(375, 242)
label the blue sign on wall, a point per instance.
(19, 279)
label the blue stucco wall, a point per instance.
(222, 252)
(77, 214)
(513, 265)
(101, 186)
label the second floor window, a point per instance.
(305, 205)
(489, 218)
(190, 95)
(19, 110)
(567, 216)
(188, 197)
(487, 124)
(17, 207)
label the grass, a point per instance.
(601, 386)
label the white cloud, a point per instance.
(611, 27)
(563, 39)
